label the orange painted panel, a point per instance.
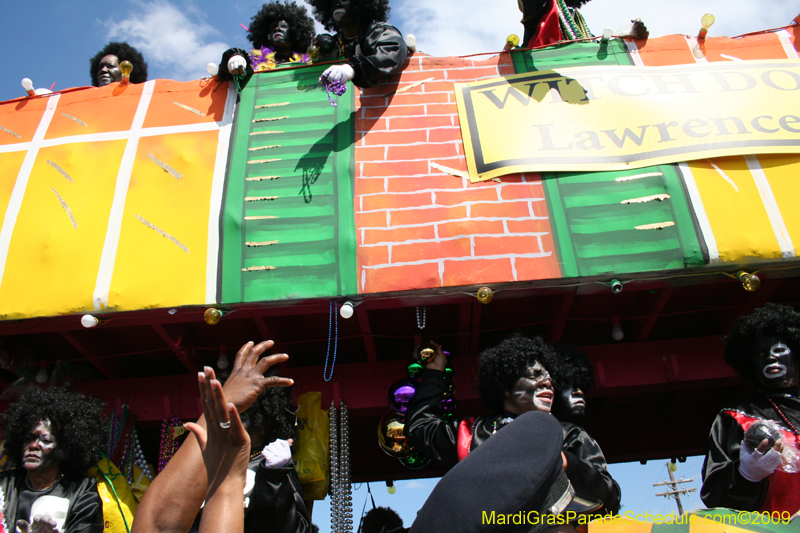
(99, 110)
(20, 118)
(764, 46)
(165, 106)
(667, 50)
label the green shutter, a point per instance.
(306, 173)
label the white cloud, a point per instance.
(462, 27)
(412, 485)
(178, 43)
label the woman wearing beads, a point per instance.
(759, 472)
(54, 436)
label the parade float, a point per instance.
(630, 197)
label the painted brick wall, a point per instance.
(420, 227)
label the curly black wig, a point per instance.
(77, 423)
(123, 51)
(570, 366)
(772, 320)
(381, 519)
(301, 25)
(272, 412)
(366, 10)
(500, 367)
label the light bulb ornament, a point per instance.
(222, 360)
(212, 316)
(617, 332)
(89, 321)
(346, 310)
(750, 282)
(27, 84)
(41, 375)
(126, 67)
(484, 295)
(705, 23)
(411, 42)
(512, 41)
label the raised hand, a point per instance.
(247, 379)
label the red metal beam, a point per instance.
(654, 316)
(366, 332)
(563, 315)
(97, 363)
(175, 346)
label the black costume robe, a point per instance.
(85, 510)
(377, 52)
(723, 485)
(445, 441)
(273, 500)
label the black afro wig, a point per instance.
(124, 52)
(772, 320)
(569, 366)
(381, 519)
(301, 25)
(76, 421)
(500, 368)
(366, 11)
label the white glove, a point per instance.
(339, 73)
(756, 466)
(235, 63)
(277, 454)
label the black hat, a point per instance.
(511, 482)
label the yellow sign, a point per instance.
(615, 118)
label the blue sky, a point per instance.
(52, 42)
(635, 480)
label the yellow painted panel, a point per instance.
(151, 270)
(782, 173)
(738, 218)
(52, 266)
(10, 164)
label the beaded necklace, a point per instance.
(573, 24)
(169, 441)
(784, 417)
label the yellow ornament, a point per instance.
(212, 316)
(485, 295)
(673, 467)
(750, 282)
(126, 67)
(512, 41)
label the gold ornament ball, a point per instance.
(512, 41)
(485, 295)
(212, 316)
(673, 467)
(391, 438)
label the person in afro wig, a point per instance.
(104, 66)
(573, 376)
(280, 32)
(550, 21)
(512, 380)
(373, 48)
(273, 496)
(381, 520)
(759, 473)
(53, 437)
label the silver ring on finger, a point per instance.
(225, 425)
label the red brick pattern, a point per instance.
(419, 227)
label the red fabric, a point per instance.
(549, 30)
(464, 438)
(784, 488)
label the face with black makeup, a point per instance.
(569, 402)
(38, 448)
(280, 38)
(108, 71)
(533, 391)
(775, 363)
(342, 13)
